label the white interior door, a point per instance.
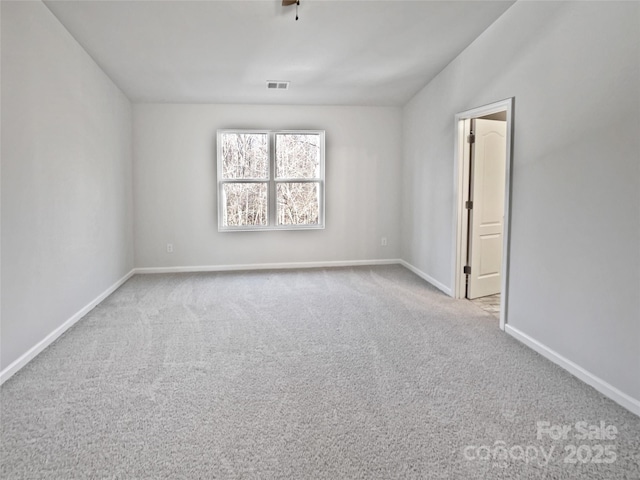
(488, 170)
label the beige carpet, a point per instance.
(353, 373)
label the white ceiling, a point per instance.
(343, 52)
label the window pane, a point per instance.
(297, 156)
(245, 204)
(298, 203)
(245, 155)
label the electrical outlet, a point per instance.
(383, 242)
(169, 247)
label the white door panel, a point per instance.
(488, 169)
(490, 253)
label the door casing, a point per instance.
(459, 211)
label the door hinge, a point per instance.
(471, 138)
(466, 270)
(468, 204)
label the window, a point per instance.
(270, 180)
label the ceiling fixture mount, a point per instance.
(286, 3)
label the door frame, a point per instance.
(459, 211)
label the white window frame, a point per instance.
(271, 182)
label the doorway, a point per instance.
(482, 175)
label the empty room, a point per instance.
(320, 239)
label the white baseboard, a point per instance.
(428, 278)
(49, 339)
(265, 266)
(603, 387)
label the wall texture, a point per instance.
(66, 178)
(573, 68)
(175, 185)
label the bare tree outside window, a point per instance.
(297, 158)
(298, 203)
(270, 180)
(245, 156)
(245, 204)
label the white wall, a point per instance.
(66, 178)
(175, 185)
(573, 68)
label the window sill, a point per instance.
(270, 229)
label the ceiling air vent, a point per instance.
(277, 85)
